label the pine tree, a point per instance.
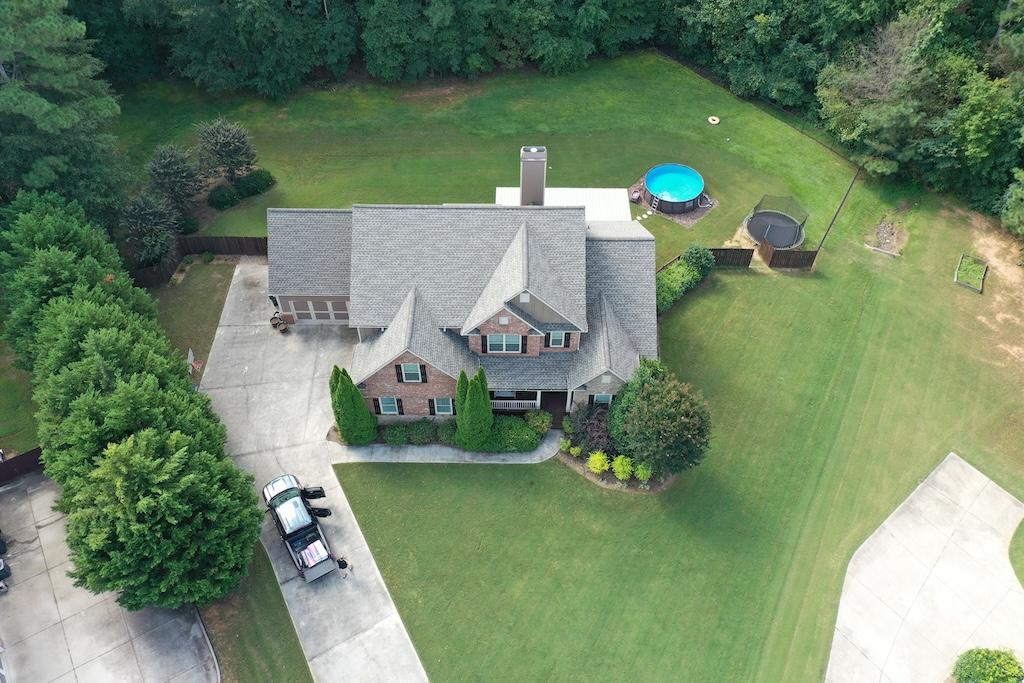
(356, 424)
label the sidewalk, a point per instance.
(440, 455)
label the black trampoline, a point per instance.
(778, 221)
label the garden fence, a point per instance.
(20, 464)
(787, 258)
(198, 244)
(726, 257)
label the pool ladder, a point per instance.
(654, 203)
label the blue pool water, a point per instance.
(674, 182)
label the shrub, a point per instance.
(643, 472)
(223, 197)
(982, 665)
(700, 259)
(564, 445)
(576, 451)
(648, 370)
(188, 225)
(590, 425)
(673, 282)
(207, 257)
(622, 467)
(1012, 214)
(422, 432)
(254, 183)
(567, 425)
(669, 426)
(511, 434)
(597, 462)
(396, 434)
(446, 432)
(539, 421)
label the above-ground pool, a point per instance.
(676, 188)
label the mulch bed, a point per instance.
(889, 238)
(579, 465)
(687, 220)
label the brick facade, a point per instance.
(573, 345)
(414, 395)
(515, 325)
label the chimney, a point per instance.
(533, 167)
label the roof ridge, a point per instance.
(295, 209)
(606, 348)
(412, 316)
(524, 282)
(462, 207)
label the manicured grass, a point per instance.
(17, 411)
(833, 393)
(604, 126)
(190, 310)
(1017, 553)
(252, 633)
(971, 271)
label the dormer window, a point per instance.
(411, 372)
(556, 340)
(504, 343)
(524, 298)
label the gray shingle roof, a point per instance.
(450, 253)
(413, 329)
(309, 251)
(507, 280)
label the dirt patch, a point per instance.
(443, 94)
(888, 237)
(579, 466)
(741, 239)
(191, 259)
(687, 220)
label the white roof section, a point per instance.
(599, 203)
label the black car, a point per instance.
(296, 521)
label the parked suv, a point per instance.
(296, 521)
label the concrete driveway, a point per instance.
(271, 390)
(934, 580)
(54, 631)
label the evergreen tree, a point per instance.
(173, 175)
(54, 111)
(356, 424)
(162, 524)
(475, 420)
(461, 386)
(149, 221)
(224, 147)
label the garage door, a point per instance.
(321, 311)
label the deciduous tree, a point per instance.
(668, 427)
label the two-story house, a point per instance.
(556, 307)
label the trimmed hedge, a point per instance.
(422, 432)
(510, 434)
(223, 197)
(673, 282)
(396, 434)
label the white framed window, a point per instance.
(504, 394)
(504, 343)
(411, 372)
(602, 399)
(443, 406)
(556, 340)
(388, 405)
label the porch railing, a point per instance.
(515, 405)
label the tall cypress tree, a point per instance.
(475, 419)
(461, 386)
(356, 424)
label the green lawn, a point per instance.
(833, 392)
(17, 411)
(604, 126)
(252, 633)
(190, 310)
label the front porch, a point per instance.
(554, 402)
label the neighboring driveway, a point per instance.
(54, 631)
(271, 391)
(934, 580)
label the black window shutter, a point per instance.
(568, 340)
(453, 405)
(483, 343)
(547, 340)
(430, 403)
(376, 407)
(423, 374)
(590, 400)
(524, 343)
(400, 411)
(398, 373)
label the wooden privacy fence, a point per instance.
(20, 464)
(785, 258)
(198, 244)
(732, 258)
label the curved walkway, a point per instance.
(340, 453)
(934, 580)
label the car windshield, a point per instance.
(292, 512)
